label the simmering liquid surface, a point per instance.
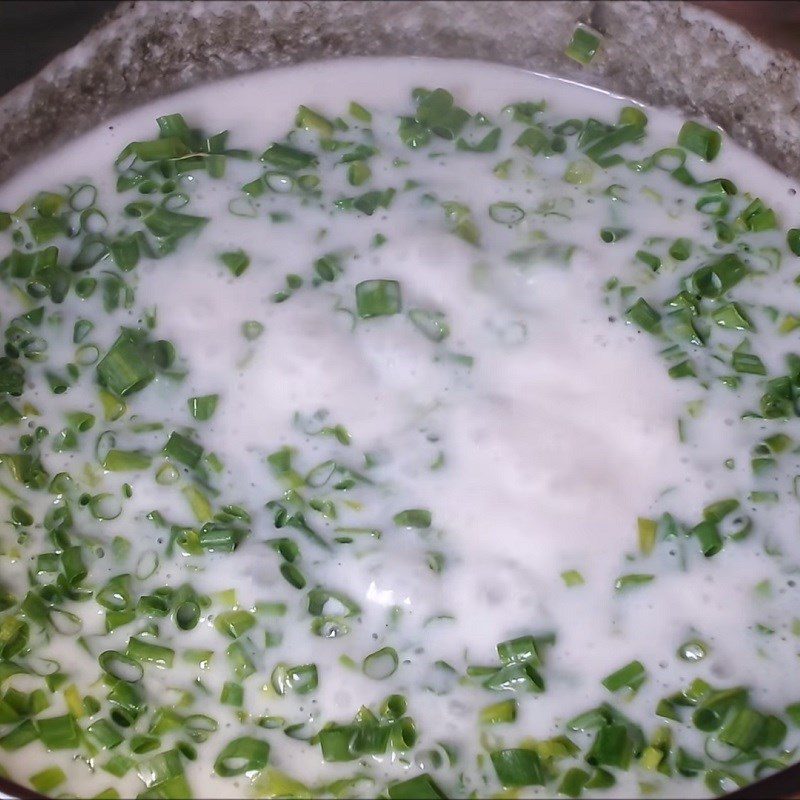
(445, 449)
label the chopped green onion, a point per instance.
(681, 249)
(757, 217)
(126, 460)
(650, 259)
(700, 140)
(237, 261)
(183, 450)
(572, 578)
(48, 779)
(632, 580)
(232, 694)
(59, 733)
(312, 120)
(432, 324)
(515, 767)
(631, 676)
(573, 783)
(124, 370)
(748, 363)
(609, 235)
(708, 536)
(378, 298)
(421, 787)
(583, 45)
(642, 314)
(202, 408)
(380, 664)
(612, 747)
(251, 330)
(503, 711)
(413, 518)
(732, 316)
(506, 213)
(141, 650)
(234, 623)
(793, 240)
(284, 156)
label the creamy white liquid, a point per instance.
(561, 434)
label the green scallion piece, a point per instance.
(437, 112)
(421, 787)
(644, 316)
(793, 712)
(251, 330)
(743, 731)
(301, 679)
(714, 706)
(286, 157)
(732, 316)
(232, 694)
(59, 733)
(105, 734)
(150, 652)
(612, 747)
(202, 408)
(713, 280)
(757, 217)
(515, 677)
(650, 259)
(126, 460)
(124, 369)
(681, 249)
(632, 581)
(488, 144)
(573, 783)
(646, 530)
(432, 324)
(18, 737)
(609, 235)
(413, 518)
(183, 450)
(506, 213)
(572, 577)
(579, 172)
(381, 664)
(47, 779)
(378, 298)
(703, 141)
(631, 676)
(583, 45)
(708, 536)
(237, 261)
(533, 139)
(358, 112)
(234, 623)
(120, 666)
(497, 713)
(517, 767)
(793, 240)
(748, 364)
(521, 649)
(311, 120)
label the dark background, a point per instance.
(33, 32)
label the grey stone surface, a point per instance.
(667, 53)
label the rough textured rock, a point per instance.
(663, 53)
